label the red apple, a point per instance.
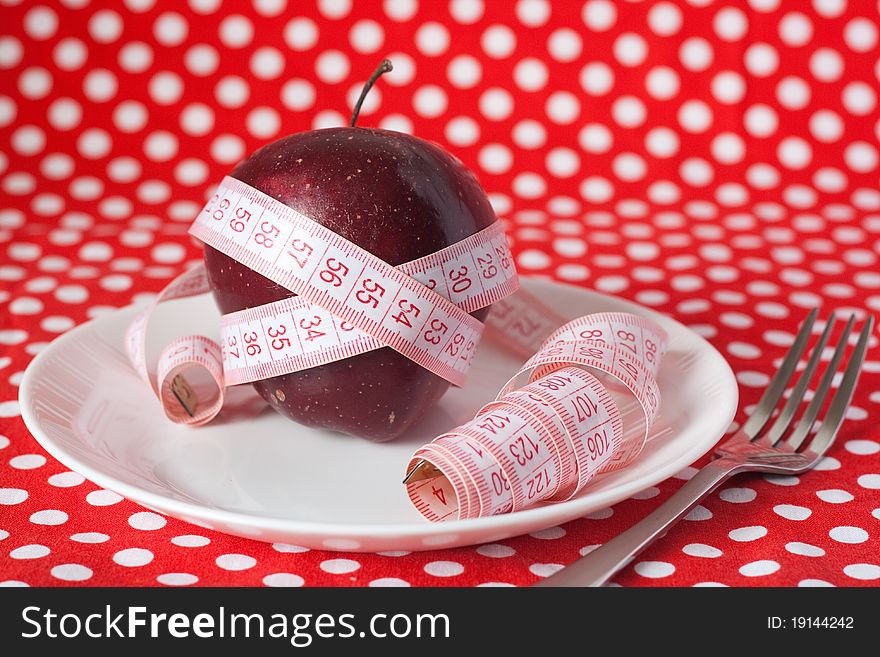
(393, 194)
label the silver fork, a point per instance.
(753, 448)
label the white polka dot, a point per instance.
(550, 533)
(66, 479)
(846, 534)
(863, 571)
(826, 126)
(146, 521)
(27, 461)
(283, 580)
(177, 579)
(432, 39)
(869, 481)
(190, 541)
(235, 562)
(133, 557)
(599, 15)
(301, 34)
(90, 537)
(529, 74)
(738, 495)
(593, 137)
(701, 550)
(123, 169)
(746, 534)
(728, 148)
(629, 167)
(761, 59)
(858, 98)
(339, 566)
(135, 57)
(533, 259)
(236, 31)
(105, 26)
(165, 88)
(565, 45)
(462, 131)
(70, 54)
(696, 54)
(232, 91)
(170, 29)
(759, 568)
(861, 156)
(793, 93)
(496, 551)
(103, 498)
(191, 172)
(10, 496)
(11, 52)
(596, 189)
(498, 41)
(287, 548)
(431, 101)
(804, 549)
(545, 569)
(366, 36)
(728, 87)
(662, 83)
(665, 19)
(862, 447)
(168, 253)
(495, 158)
(201, 59)
(72, 294)
(404, 70)
(794, 153)
(792, 512)
(388, 582)
(35, 83)
(654, 569)
(400, 10)
(41, 23)
(698, 513)
(829, 8)
(596, 78)
(695, 116)
(630, 49)
(826, 65)
(28, 140)
(49, 517)
(335, 9)
(795, 29)
(72, 572)
(860, 34)
(30, 552)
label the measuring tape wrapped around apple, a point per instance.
(353, 269)
(552, 427)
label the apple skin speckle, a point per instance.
(395, 195)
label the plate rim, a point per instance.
(331, 530)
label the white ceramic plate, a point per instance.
(264, 477)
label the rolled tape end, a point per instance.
(185, 394)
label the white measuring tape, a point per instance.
(549, 431)
(546, 439)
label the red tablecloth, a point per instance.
(717, 161)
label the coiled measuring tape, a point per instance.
(349, 302)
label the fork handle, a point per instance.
(601, 564)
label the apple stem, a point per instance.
(384, 67)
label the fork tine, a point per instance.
(837, 410)
(777, 386)
(797, 395)
(802, 430)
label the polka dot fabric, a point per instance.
(716, 161)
